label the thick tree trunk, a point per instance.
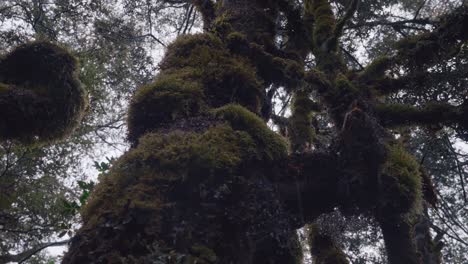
(198, 185)
(208, 182)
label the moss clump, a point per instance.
(198, 72)
(317, 78)
(401, 183)
(271, 146)
(41, 98)
(342, 83)
(163, 158)
(170, 97)
(289, 72)
(196, 51)
(301, 132)
(324, 21)
(376, 69)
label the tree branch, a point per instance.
(431, 114)
(207, 10)
(25, 255)
(345, 19)
(421, 21)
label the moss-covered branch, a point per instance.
(431, 114)
(349, 13)
(299, 29)
(301, 133)
(325, 23)
(422, 51)
(273, 68)
(442, 43)
(207, 10)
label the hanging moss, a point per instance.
(270, 145)
(41, 98)
(401, 183)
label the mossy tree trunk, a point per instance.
(206, 181)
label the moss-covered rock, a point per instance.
(41, 98)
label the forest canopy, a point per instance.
(240, 131)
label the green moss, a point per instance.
(135, 179)
(376, 69)
(225, 78)
(46, 101)
(290, 69)
(222, 25)
(401, 182)
(343, 91)
(342, 83)
(324, 21)
(430, 114)
(170, 97)
(317, 78)
(271, 146)
(4, 88)
(301, 133)
(197, 73)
